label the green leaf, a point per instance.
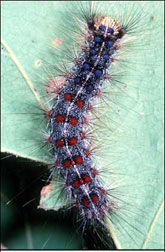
(133, 149)
(51, 198)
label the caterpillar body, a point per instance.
(102, 38)
(68, 116)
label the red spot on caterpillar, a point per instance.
(85, 201)
(76, 183)
(56, 163)
(102, 190)
(72, 141)
(49, 139)
(83, 135)
(80, 103)
(78, 159)
(67, 163)
(59, 118)
(87, 152)
(73, 120)
(68, 97)
(67, 183)
(90, 107)
(94, 197)
(58, 90)
(87, 178)
(101, 212)
(94, 171)
(49, 113)
(84, 119)
(59, 142)
(98, 92)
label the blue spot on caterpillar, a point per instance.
(98, 73)
(93, 51)
(86, 66)
(109, 43)
(97, 39)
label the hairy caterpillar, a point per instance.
(113, 120)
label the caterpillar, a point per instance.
(105, 37)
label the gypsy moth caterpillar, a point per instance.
(125, 151)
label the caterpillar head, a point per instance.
(106, 23)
